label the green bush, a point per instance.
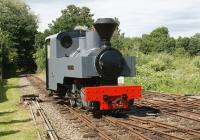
(180, 52)
(161, 62)
(8, 55)
(157, 65)
(167, 73)
(143, 59)
(40, 56)
(196, 61)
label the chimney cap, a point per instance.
(106, 21)
(105, 28)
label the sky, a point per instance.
(137, 17)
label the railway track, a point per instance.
(165, 125)
(136, 134)
(181, 100)
(173, 109)
(89, 123)
(51, 132)
(150, 130)
(143, 128)
(174, 105)
(38, 112)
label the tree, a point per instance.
(40, 54)
(160, 32)
(7, 55)
(194, 45)
(183, 42)
(146, 44)
(21, 26)
(131, 45)
(71, 17)
(40, 60)
(158, 41)
(40, 39)
(117, 38)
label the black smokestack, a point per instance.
(105, 28)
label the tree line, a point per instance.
(18, 27)
(159, 40)
(22, 46)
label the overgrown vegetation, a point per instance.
(168, 73)
(71, 17)
(164, 63)
(40, 59)
(7, 55)
(15, 122)
(19, 26)
(168, 66)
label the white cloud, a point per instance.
(136, 16)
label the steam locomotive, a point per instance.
(83, 67)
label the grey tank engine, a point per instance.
(77, 59)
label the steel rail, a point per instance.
(79, 116)
(151, 130)
(34, 119)
(171, 106)
(133, 132)
(168, 112)
(137, 133)
(197, 101)
(89, 123)
(48, 125)
(189, 131)
(181, 104)
(188, 118)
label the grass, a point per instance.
(42, 74)
(177, 74)
(15, 121)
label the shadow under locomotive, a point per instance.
(139, 111)
(143, 111)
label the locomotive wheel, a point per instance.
(131, 103)
(79, 103)
(50, 92)
(72, 102)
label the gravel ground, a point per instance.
(69, 127)
(42, 76)
(26, 86)
(197, 97)
(64, 127)
(26, 89)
